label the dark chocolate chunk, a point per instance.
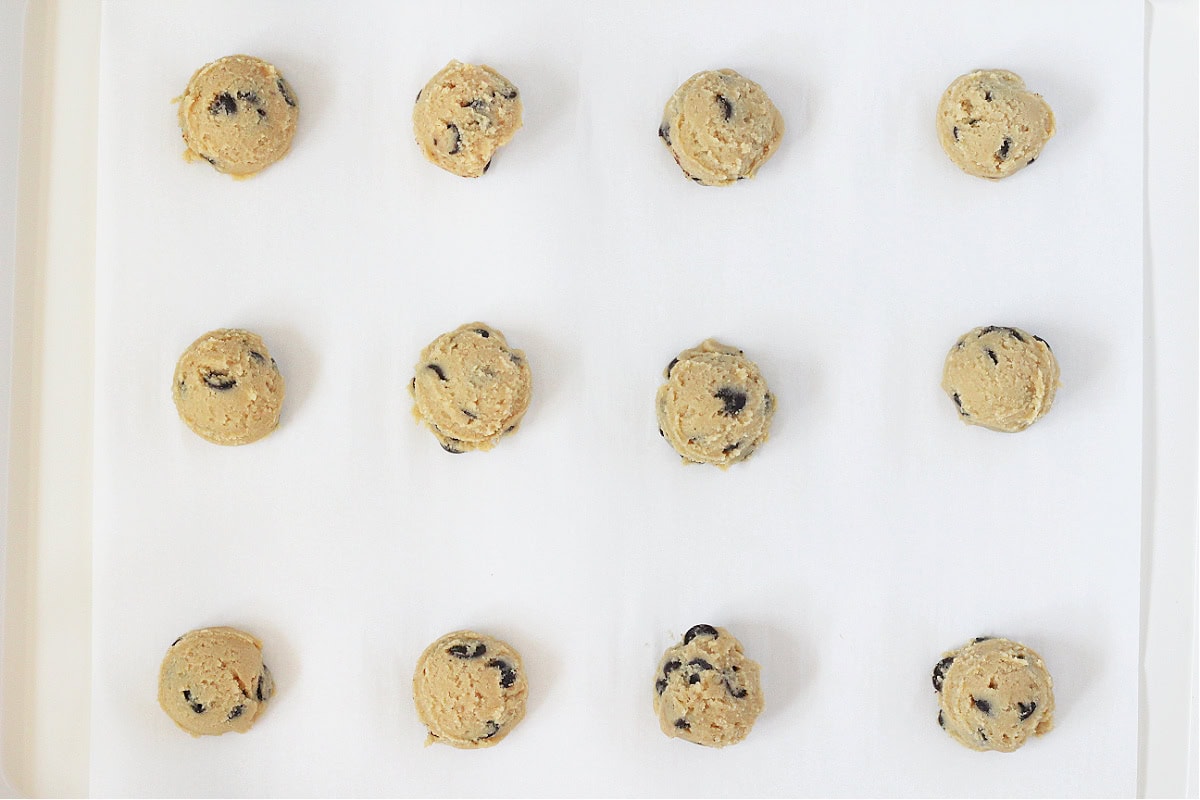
(418, 96)
(1030, 161)
(987, 95)
(979, 639)
(223, 104)
(249, 97)
(700, 630)
(482, 332)
(258, 690)
(486, 167)
(452, 446)
(671, 366)
(956, 133)
(700, 663)
(987, 330)
(734, 400)
(508, 675)
(958, 402)
(478, 105)
(236, 711)
(726, 107)
(467, 651)
(729, 448)
(492, 729)
(262, 113)
(219, 381)
(660, 433)
(664, 133)
(450, 126)
(682, 724)
(734, 691)
(697, 180)
(257, 356)
(991, 354)
(1016, 334)
(283, 90)
(1002, 153)
(941, 719)
(209, 159)
(440, 373)
(693, 678)
(1025, 710)
(982, 735)
(660, 685)
(196, 707)
(939, 672)
(1043, 341)
(510, 93)
(982, 705)
(469, 414)
(670, 667)
(177, 641)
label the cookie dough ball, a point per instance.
(464, 115)
(706, 691)
(238, 114)
(715, 407)
(227, 388)
(1001, 378)
(994, 694)
(470, 690)
(213, 681)
(471, 388)
(991, 125)
(720, 127)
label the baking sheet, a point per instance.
(872, 532)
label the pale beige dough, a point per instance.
(706, 690)
(994, 694)
(991, 125)
(1001, 378)
(213, 681)
(464, 115)
(720, 127)
(238, 114)
(471, 388)
(715, 407)
(470, 690)
(227, 388)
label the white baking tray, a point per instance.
(45, 616)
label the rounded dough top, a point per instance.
(992, 126)
(464, 115)
(1001, 378)
(213, 681)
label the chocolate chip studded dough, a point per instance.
(227, 388)
(720, 127)
(705, 690)
(470, 690)
(471, 388)
(213, 681)
(464, 115)
(238, 114)
(991, 125)
(1001, 378)
(994, 694)
(715, 407)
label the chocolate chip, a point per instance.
(1016, 334)
(508, 675)
(956, 133)
(452, 446)
(992, 355)
(438, 370)
(979, 639)
(486, 167)
(196, 707)
(482, 332)
(1002, 153)
(671, 366)
(941, 719)
(982, 735)
(219, 381)
(262, 113)
(258, 690)
(209, 159)
(989, 329)
(694, 678)
(469, 414)
(982, 705)
(697, 180)
(664, 132)
(514, 358)
(670, 667)
(939, 672)
(660, 433)
(737, 692)
(734, 400)
(729, 448)
(492, 729)
(478, 105)
(700, 630)
(223, 104)
(1030, 161)
(418, 96)
(726, 107)
(682, 724)
(958, 402)
(450, 126)
(987, 95)
(465, 651)
(700, 663)
(1025, 710)
(1043, 341)
(236, 711)
(177, 641)
(973, 122)
(257, 356)
(283, 90)
(660, 685)
(249, 97)
(510, 93)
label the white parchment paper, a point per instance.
(872, 532)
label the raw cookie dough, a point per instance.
(1001, 378)
(227, 388)
(705, 690)
(715, 407)
(991, 125)
(213, 681)
(994, 694)
(238, 114)
(720, 127)
(469, 689)
(463, 115)
(471, 388)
